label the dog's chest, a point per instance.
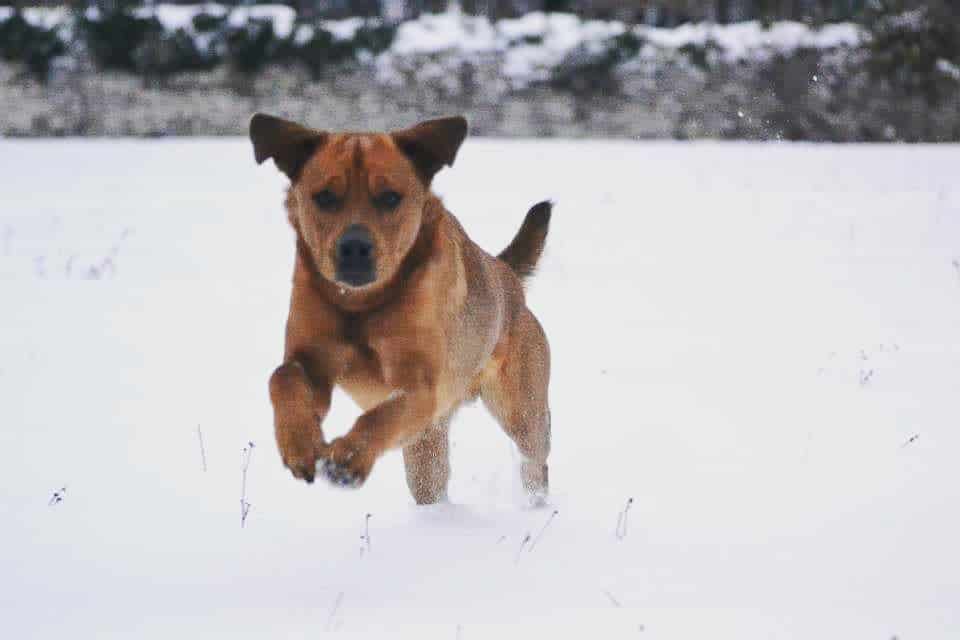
(362, 376)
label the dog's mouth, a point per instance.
(355, 257)
(355, 279)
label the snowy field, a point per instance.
(759, 344)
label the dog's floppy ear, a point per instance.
(288, 143)
(433, 144)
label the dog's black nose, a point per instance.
(356, 264)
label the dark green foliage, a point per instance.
(208, 22)
(251, 46)
(35, 47)
(767, 11)
(701, 56)
(558, 6)
(115, 34)
(166, 53)
(121, 35)
(374, 37)
(320, 51)
(585, 71)
(909, 43)
(163, 53)
(254, 45)
(623, 47)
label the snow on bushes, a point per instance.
(171, 38)
(535, 48)
(29, 42)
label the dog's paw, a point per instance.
(338, 475)
(538, 499)
(345, 464)
(299, 454)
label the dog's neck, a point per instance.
(351, 300)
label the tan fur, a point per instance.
(443, 322)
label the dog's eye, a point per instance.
(388, 200)
(325, 199)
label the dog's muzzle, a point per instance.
(356, 263)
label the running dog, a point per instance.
(394, 303)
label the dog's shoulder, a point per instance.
(475, 281)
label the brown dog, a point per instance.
(393, 302)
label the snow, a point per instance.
(562, 33)
(180, 16)
(760, 344)
(46, 17)
(345, 29)
(746, 40)
(559, 34)
(441, 32)
(536, 43)
(911, 20)
(281, 16)
(948, 69)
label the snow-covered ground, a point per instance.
(759, 344)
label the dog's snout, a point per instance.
(355, 246)
(356, 263)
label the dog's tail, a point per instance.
(525, 249)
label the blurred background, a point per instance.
(823, 70)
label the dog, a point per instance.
(394, 303)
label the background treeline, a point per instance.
(111, 67)
(652, 12)
(664, 13)
(908, 37)
(126, 35)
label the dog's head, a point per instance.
(357, 200)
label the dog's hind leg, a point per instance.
(427, 463)
(514, 389)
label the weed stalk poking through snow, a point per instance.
(246, 455)
(203, 453)
(333, 612)
(530, 540)
(523, 546)
(540, 534)
(365, 545)
(621, 531)
(57, 497)
(613, 600)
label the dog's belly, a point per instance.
(367, 392)
(367, 387)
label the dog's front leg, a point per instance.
(299, 406)
(396, 422)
